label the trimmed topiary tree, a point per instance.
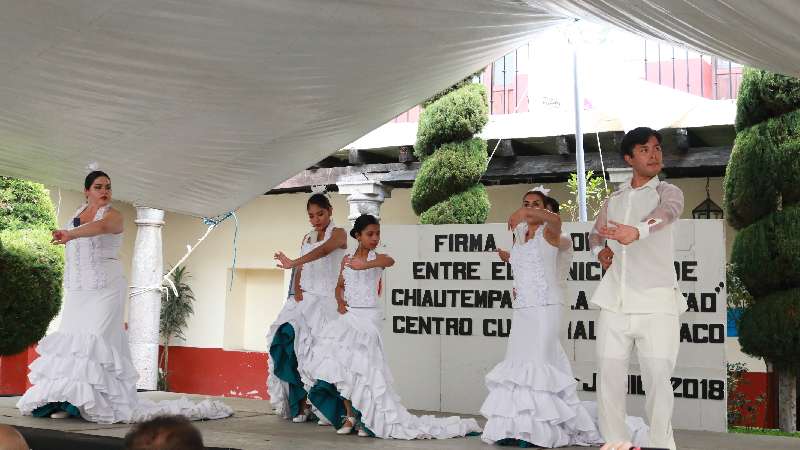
(762, 192)
(764, 95)
(32, 268)
(30, 291)
(448, 188)
(763, 168)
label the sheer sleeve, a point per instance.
(669, 209)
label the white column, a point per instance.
(147, 269)
(364, 197)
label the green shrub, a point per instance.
(763, 95)
(764, 170)
(770, 328)
(30, 293)
(766, 254)
(458, 85)
(454, 167)
(470, 206)
(24, 204)
(456, 116)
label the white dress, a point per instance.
(532, 392)
(349, 363)
(87, 363)
(291, 337)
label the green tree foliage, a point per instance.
(770, 328)
(761, 200)
(596, 195)
(454, 167)
(470, 206)
(763, 95)
(24, 204)
(456, 116)
(30, 289)
(448, 188)
(175, 311)
(764, 170)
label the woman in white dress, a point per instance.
(291, 338)
(533, 397)
(354, 388)
(85, 368)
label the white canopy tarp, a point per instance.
(197, 106)
(758, 33)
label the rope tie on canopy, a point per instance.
(212, 223)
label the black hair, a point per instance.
(539, 193)
(320, 200)
(637, 136)
(93, 175)
(164, 433)
(551, 204)
(362, 222)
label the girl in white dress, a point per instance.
(85, 368)
(292, 337)
(354, 388)
(533, 396)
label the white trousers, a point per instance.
(657, 340)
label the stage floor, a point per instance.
(255, 427)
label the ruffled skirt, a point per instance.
(349, 363)
(532, 392)
(291, 339)
(86, 366)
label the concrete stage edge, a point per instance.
(255, 427)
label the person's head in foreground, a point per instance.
(10, 439)
(641, 149)
(164, 433)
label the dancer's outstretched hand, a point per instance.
(606, 257)
(355, 263)
(342, 308)
(518, 216)
(61, 237)
(617, 446)
(283, 261)
(503, 254)
(298, 296)
(624, 234)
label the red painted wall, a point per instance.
(214, 371)
(14, 371)
(754, 385)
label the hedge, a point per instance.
(30, 292)
(766, 254)
(470, 206)
(770, 328)
(763, 95)
(764, 170)
(454, 167)
(24, 204)
(455, 117)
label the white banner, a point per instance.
(447, 315)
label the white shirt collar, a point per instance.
(653, 183)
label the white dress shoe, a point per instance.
(302, 417)
(347, 427)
